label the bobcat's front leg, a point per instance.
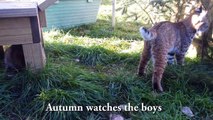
(180, 54)
(180, 58)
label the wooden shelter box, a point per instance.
(21, 23)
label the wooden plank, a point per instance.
(42, 38)
(42, 18)
(15, 32)
(34, 54)
(36, 29)
(18, 9)
(14, 23)
(43, 4)
(21, 39)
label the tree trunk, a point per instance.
(207, 36)
(1, 53)
(113, 13)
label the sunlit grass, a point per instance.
(112, 44)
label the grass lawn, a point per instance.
(93, 65)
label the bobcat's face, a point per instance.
(199, 19)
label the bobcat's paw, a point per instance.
(140, 74)
(157, 87)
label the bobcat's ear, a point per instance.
(199, 9)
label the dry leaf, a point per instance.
(187, 111)
(116, 117)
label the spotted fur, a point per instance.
(168, 42)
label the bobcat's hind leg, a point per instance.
(160, 62)
(146, 54)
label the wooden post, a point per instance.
(113, 13)
(42, 18)
(34, 55)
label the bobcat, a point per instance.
(167, 42)
(14, 60)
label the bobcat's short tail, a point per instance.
(146, 34)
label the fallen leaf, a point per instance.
(187, 111)
(116, 117)
(77, 60)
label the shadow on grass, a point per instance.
(80, 76)
(65, 81)
(92, 55)
(194, 74)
